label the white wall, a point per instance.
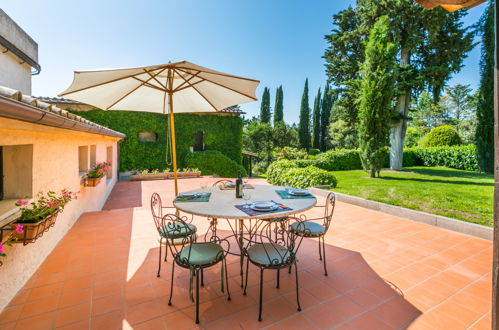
(55, 166)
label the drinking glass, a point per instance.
(203, 185)
(246, 197)
(287, 187)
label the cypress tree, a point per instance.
(304, 124)
(279, 107)
(377, 87)
(316, 122)
(265, 106)
(485, 111)
(326, 105)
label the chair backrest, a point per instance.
(221, 182)
(329, 209)
(157, 210)
(280, 244)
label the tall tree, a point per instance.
(459, 104)
(278, 107)
(377, 91)
(304, 124)
(484, 135)
(417, 33)
(265, 112)
(327, 103)
(316, 122)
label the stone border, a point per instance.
(459, 226)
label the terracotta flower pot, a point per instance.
(92, 182)
(169, 175)
(32, 231)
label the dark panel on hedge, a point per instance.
(222, 133)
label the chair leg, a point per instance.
(166, 250)
(197, 296)
(297, 288)
(278, 276)
(202, 277)
(227, 280)
(320, 247)
(159, 261)
(324, 254)
(261, 296)
(171, 285)
(246, 282)
(289, 270)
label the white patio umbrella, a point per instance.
(167, 88)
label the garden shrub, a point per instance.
(214, 162)
(413, 137)
(222, 133)
(290, 153)
(411, 157)
(286, 171)
(308, 177)
(314, 152)
(458, 157)
(441, 136)
(338, 160)
(276, 169)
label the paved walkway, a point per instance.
(385, 272)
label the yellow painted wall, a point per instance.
(55, 166)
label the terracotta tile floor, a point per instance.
(384, 273)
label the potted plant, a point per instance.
(18, 229)
(164, 174)
(38, 216)
(96, 173)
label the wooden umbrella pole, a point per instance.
(174, 148)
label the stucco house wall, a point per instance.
(55, 165)
(15, 72)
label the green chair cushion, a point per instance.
(177, 230)
(201, 253)
(311, 229)
(268, 253)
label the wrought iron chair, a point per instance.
(318, 227)
(274, 247)
(167, 234)
(196, 257)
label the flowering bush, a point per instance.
(44, 206)
(166, 170)
(19, 229)
(98, 170)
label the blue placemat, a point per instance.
(205, 197)
(285, 195)
(251, 212)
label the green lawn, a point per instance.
(453, 193)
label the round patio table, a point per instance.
(222, 205)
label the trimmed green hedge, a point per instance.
(338, 160)
(214, 162)
(286, 171)
(458, 157)
(222, 133)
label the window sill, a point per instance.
(8, 211)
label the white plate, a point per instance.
(299, 192)
(263, 205)
(272, 208)
(189, 194)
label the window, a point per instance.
(148, 137)
(93, 157)
(109, 158)
(17, 171)
(83, 159)
(199, 145)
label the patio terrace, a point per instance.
(385, 272)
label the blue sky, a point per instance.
(277, 42)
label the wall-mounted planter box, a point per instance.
(33, 231)
(164, 176)
(92, 182)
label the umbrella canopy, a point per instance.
(174, 87)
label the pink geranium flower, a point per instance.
(19, 229)
(1, 248)
(21, 203)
